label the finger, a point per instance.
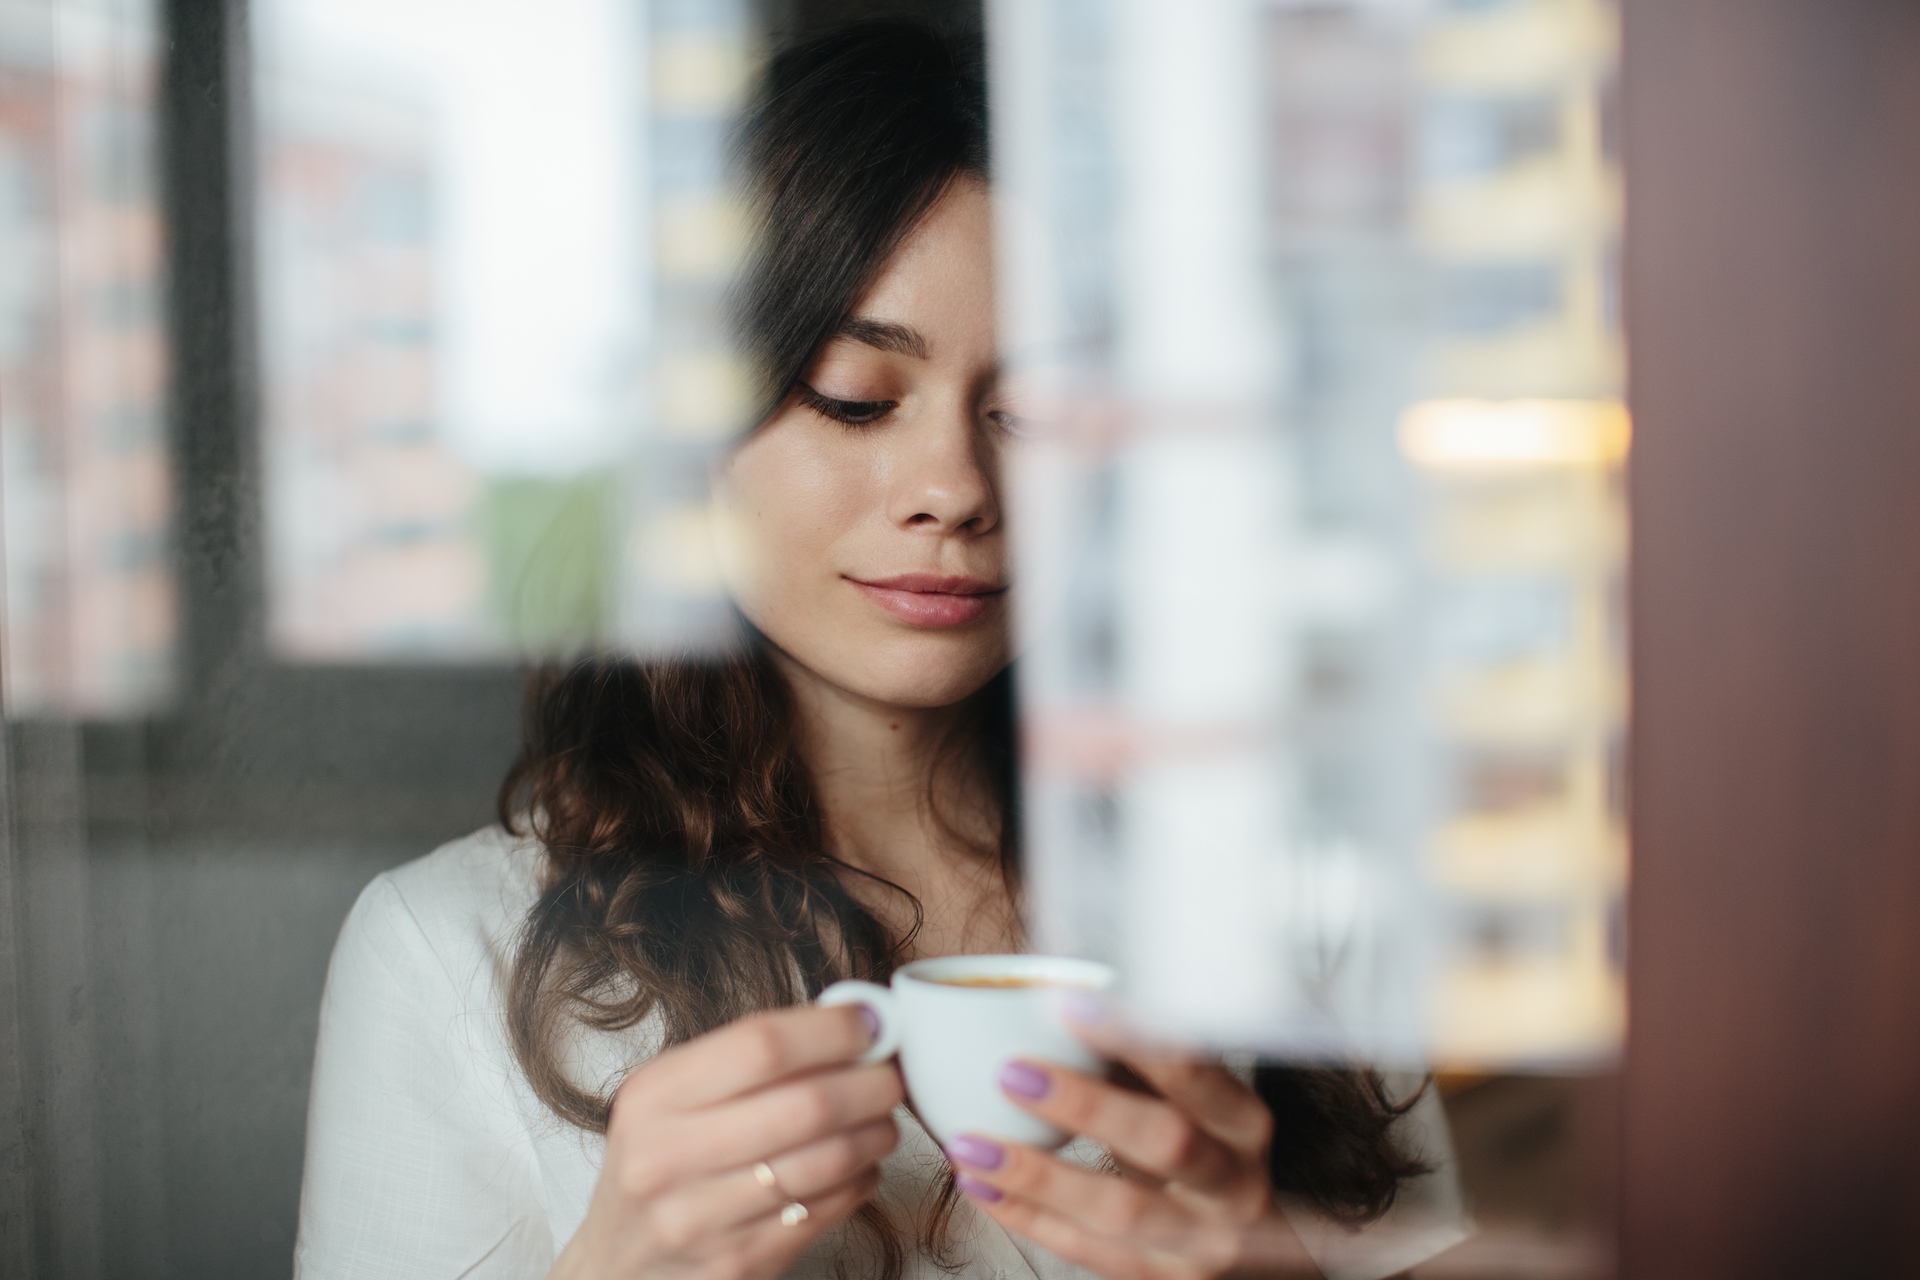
(1068, 1239)
(1086, 1247)
(1216, 1099)
(648, 1155)
(820, 1166)
(770, 1244)
(1113, 1206)
(803, 1174)
(748, 1055)
(1148, 1133)
(786, 1116)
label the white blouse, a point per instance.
(428, 1154)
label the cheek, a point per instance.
(789, 498)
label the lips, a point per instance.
(931, 600)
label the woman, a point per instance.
(577, 1044)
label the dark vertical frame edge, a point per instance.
(1769, 1106)
(16, 1190)
(212, 410)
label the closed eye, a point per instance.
(854, 413)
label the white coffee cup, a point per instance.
(954, 1039)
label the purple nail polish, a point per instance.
(872, 1022)
(977, 1189)
(978, 1152)
(1025, 1081)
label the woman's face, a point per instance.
(863, 518)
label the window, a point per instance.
(1317, 301)
(90, 606)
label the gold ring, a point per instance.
(763, 1174)
(794, 1214)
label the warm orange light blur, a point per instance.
(1474, 434)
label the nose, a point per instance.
(944, 478)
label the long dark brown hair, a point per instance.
(687, 877)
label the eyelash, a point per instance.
(852, 413)
(864, 413)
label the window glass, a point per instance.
(1321, 521)
(1312, 318)
(453, 316)
(89, 605)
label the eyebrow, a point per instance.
(884, 335)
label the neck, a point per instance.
(875, 770)
(872, 765)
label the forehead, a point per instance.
(939, 281)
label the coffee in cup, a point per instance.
(956, 1021)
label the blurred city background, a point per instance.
(90, 616)
(355, 352)
(1327, 515)
(467, 435)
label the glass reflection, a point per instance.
(1321, 520)
(496, 374)
(90, 609)
(453, 273)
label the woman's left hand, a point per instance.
(1195, 1198)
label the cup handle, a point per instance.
(877, 998)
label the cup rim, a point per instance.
(1067, 971)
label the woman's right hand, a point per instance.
(680, 1191)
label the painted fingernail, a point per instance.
(872, 1022)
(1086, 1007)
(978, 1152)
(1025, 1081)
(977, 1189)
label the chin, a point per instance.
(913, 669)
(928, 695)
(923, 682)
(918, 674)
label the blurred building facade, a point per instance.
(695, 393)
(1407, 381)
(374, 544)
(90, 607)
(1431, 697)
(455, 303)
(1518, 216)
(1446, 199)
